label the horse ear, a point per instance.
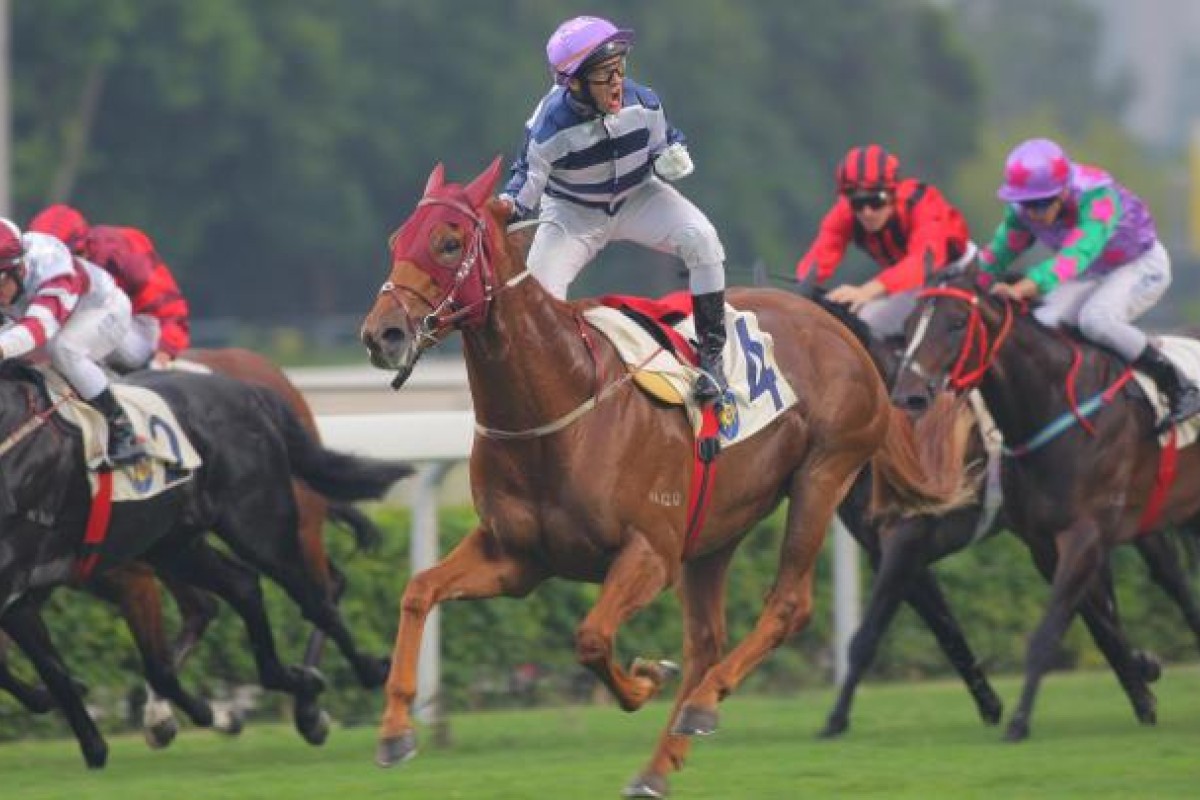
(481, 188)
(436, 179)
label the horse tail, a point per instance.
(341, 477)
(367, 535)
(921, 468)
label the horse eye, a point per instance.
(450, 246)
(956, 325)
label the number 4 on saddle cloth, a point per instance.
(656, 339)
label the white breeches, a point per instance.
(89, 335)
(1102, 307)
(656, 215)
(139, 345)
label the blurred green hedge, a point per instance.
(506, 652)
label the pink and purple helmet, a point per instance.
(583, 39)
(1035, 169)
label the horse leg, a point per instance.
(1134, 669)
(135, 592)
(207, 568)
(636, 576)
(702, 595)
(27, 629)
(277, 553)
(477, 568)
(815, 491)
(1163, 560)
(1071, 570)
(35, 699)
(197, 610)
(926, 598)
(311, 509)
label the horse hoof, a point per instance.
(657, 671)
(396, 749)
(1148, 664)
(646, 786)
(1016, 732)
(991, 711)
(228, 721)
(695, 721)
(313, 723)
(160, 734)
(96, 755)
(833, 728)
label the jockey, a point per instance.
(907, 227)
(1109, 267)
(597, 157)
(73, 308)
(160, 314)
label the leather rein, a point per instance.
(449, 313)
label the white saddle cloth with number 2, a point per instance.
(171, 458)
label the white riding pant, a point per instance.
(89, 335)
(654, 215)
(139, 345)
(885, 316)
(1103, 306)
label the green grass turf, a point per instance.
(908, 741)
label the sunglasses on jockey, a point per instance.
(873, 200)
(1039, 204)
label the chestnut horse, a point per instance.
(1073, 497)
(571, 461)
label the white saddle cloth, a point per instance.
(171, 457)
(759, 389)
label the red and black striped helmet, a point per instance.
(869, 168)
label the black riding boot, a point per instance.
(123, 446)
(1183, 396)
(708, 312)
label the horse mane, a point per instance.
(842, 314)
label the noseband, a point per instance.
(451, 312)
(975, 347)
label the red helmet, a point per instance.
(869, 168)
(12, 249)
(63, 223)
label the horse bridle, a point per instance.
(438, 320)
(962, 376)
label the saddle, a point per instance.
(656, 340)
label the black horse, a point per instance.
(251, 445)
(1073, 490)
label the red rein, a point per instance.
(976, 343)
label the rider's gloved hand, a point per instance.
(516, 212)
(674, 163)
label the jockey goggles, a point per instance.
(873, 200)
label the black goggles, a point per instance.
(871, 200)
(1039, 204)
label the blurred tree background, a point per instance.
(269, 147)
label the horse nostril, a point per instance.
(914, 402)
(393, 336)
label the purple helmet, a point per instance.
(578, 40)
(1036, 168)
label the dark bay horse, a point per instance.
(571, 461)
(1073, 497)
(901, 550)
(252, 445)
(134, 589)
